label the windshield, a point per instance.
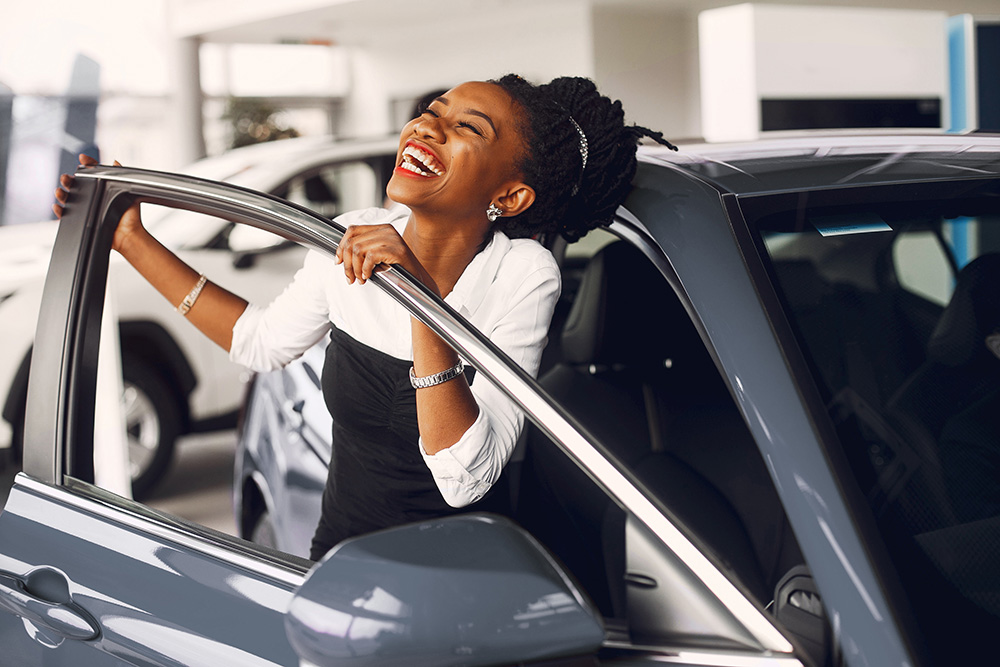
(894, 296)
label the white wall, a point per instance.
(753, 51)
(648, 58)
(841, 52)
(399, 61)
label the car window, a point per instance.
(629, 364)
(333, 189)
(895, 306)
(179, 396)
(328, 190)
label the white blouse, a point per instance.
(508, 291)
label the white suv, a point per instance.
(176, 380)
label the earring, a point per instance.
(493, 212)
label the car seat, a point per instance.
(635, 373)
(960, 375)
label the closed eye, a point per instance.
(472, 127)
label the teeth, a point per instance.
(409, 166)
(424, 159)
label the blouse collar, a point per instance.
(470, 290)
(475, 281)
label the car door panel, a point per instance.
(167, 592)
(154, 594)
(161, 590)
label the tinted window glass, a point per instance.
(897, 308)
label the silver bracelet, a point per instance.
(192, 295)
(437, 378)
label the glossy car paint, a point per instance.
(43, 519)
(727, 305)
(158, 595)
(59, 446)
(284, 480)
(690, 204)
(406, 597)
(733, 288)
(160, 590)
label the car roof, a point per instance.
(260, 166)
(792, 163)
(263, 167)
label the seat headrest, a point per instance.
(971, 319)
(626, 314)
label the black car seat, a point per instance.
(868, 341)
(636, 374)
(941, 406)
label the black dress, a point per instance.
(377, 476)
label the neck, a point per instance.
(444, 250)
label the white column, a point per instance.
(188, 101)
(111, 457)
(366, 104)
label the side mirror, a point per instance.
(472, 589)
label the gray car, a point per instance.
(763, 435)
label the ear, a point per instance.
(516, 198)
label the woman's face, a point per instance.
(456, 157)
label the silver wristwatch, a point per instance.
(437, 378)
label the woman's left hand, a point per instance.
(366, 249)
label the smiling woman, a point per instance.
(485, 167)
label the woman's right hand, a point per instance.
(130, 221)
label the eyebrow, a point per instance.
(444, 100)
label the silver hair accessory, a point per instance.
(584, 148)
(584, 151)
(493, 212)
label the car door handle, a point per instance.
(67, 619)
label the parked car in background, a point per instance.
(176, 380)
(740, 453)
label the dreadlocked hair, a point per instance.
(571, 198)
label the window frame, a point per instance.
(66, 353)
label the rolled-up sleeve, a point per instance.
(266, 339)
(465, 471)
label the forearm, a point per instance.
(214, 312)
(447, 410)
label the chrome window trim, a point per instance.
(675, 655)
(94, 501)
(300, 222)
(283, 218)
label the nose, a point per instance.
(428, 126)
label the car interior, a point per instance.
(628, 363)
(895, 364)
(912, 383)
